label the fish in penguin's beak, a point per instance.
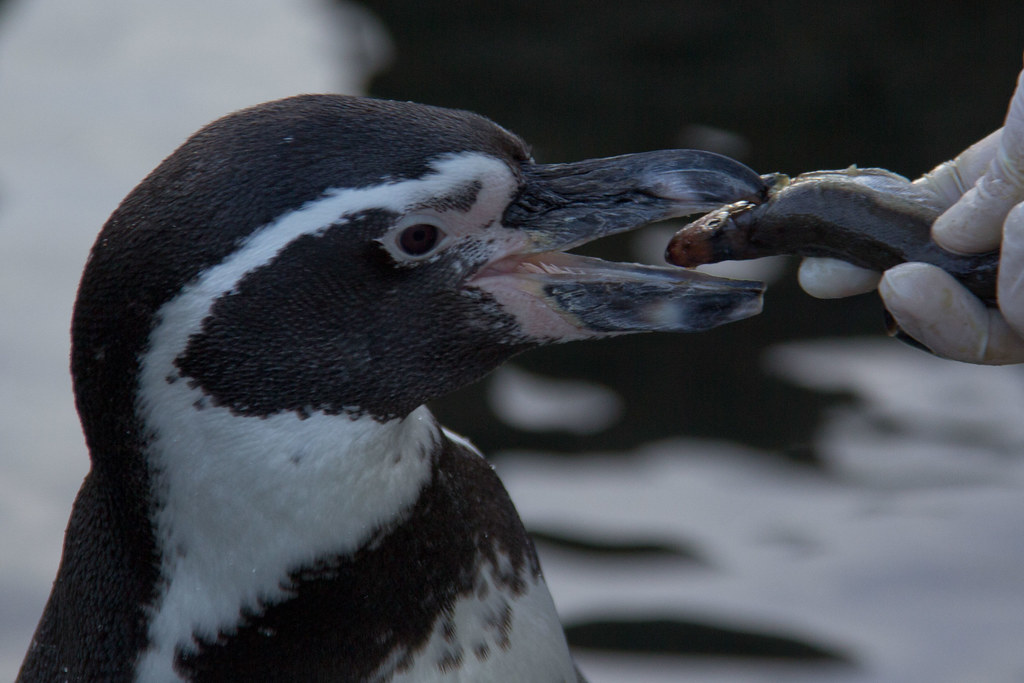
(561, 296)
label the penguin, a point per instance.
(256, 331)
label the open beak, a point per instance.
(560, 296)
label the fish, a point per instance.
(869, 217)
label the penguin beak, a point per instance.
(561, 296)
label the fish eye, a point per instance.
(419, 239)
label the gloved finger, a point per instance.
(949, 180)
(975, 222)
(828, 278)
(1011, 270)
(936, 310)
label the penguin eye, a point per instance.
(418, 239)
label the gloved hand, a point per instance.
(984, 190)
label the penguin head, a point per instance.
(349, 255)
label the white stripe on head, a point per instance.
(243, 501)
(449, 173)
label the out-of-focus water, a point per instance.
(902, 554)
(850, 497)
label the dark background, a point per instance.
(808, 85)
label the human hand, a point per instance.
(984, 189)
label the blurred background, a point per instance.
(793, 497)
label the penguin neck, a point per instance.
(242, 501)
(309, 483)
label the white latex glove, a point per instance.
(984, 188)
